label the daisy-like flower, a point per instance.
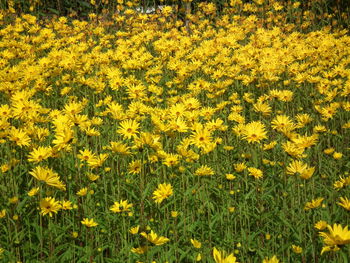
(220, 257)
(300, 168)
(337, 236)
(139, 250)
(254, 132)
(171, 159)
(134, 230)
(257, 173)
(201, 137)
(297, 249)
(162, 192)
(122, 206)
(178, 125)
(240, 167)
(39, 154)
(293, 149)
(83, 191)
(119, 147)
(269, 146)
(320, 225)
(154, 238)
(48, 176)
(274, 259)
(33, 191)
(262, 107)
(89, 222)
(128, 128)
(66, 205)
(337, 155)
(230, 177)
(307, 173)
(135, 167)
(296, 167)
(86, 155)
(344, 202)
(204, 170)
(313, 203)
(282, 123)
(98, 161)
(49, 206)
(196, 243)
(303, 119)
(19, 136)
(64, 137)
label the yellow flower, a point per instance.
(19, 136)
(257, 173)
(86, 155)
(254, 132)
(307, 173)
(2, 213)
(89, 222)
(230, 177)
(239, 167)
(302, 120)
(313, 203)
(293, 149)
(201, 137)
(269, 146)
(330, 248)
(154, 238)
(271, 260)
(329, 151)
(48, 176)
(92, 177)
(337, 155)
(98, 161)
(174, 214)
(297, 249)
(171, 160)
(39, 154)
(337, 235)
(119, 147)
(13, 200)
(320, 225)
(220, 257)
(64, 137)
(344, 202)
(49, 206)
(262, 107)
(122, 206)
(134, 230)
(231, 209)
(282, 123)
(204, 170)
(33, 191)
(296, 167)
(162, 192)
(66, 205)
(82, 191)
(135, 167)
(228, 148)
(196, 243)
(128, 128)
(139, 250)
